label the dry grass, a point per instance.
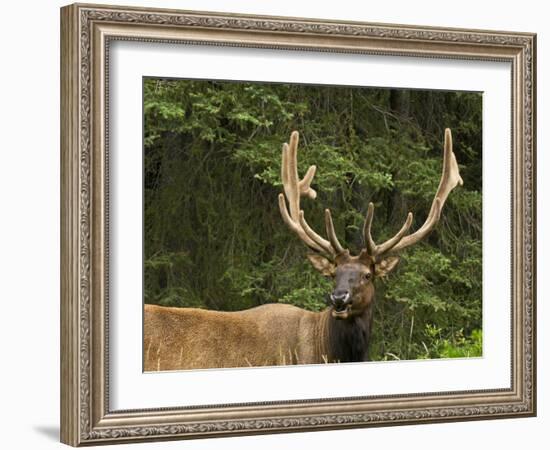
(158, 356)
(287, 357)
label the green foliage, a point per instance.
(213, 233)
(457, 346)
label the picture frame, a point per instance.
(87, 34)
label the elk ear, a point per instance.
(385, 266)
(322, 264)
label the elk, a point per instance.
(279, 334)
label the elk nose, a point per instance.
(339, 297)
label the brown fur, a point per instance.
(273, 334)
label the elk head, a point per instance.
(354, 290)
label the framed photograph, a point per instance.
(276, 224)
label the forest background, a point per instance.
(213, 234)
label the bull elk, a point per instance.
(275, 334)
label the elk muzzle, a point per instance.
(340, 300)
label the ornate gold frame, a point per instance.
(86, 31)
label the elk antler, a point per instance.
(294, 188)
(450, 178)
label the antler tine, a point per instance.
(375, 250)
(294, 188)
(450, 178)
(324, 244)
(369, 242)
(331, 233)
(390, 243)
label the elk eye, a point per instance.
(367, 276)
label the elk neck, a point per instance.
(347, 340)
